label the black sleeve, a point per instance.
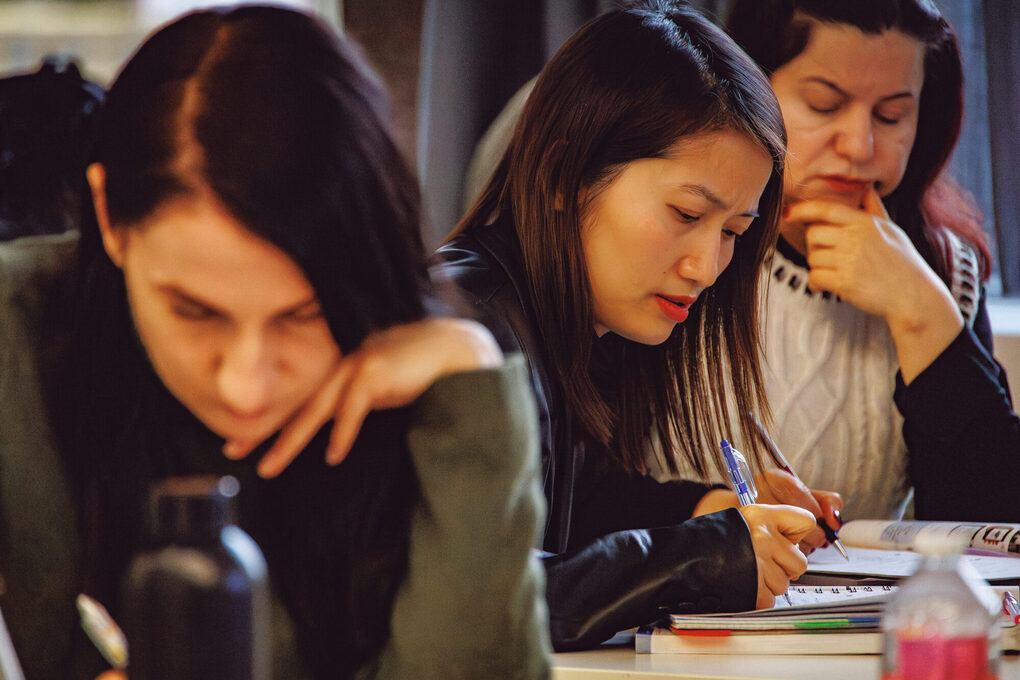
(983, 332)
(631, 578)
(983, 324)
(608, 498)
(962, 435)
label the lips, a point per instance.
(843, 184)
(675, 307)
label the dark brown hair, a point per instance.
(628, 85)
(284, 123)
(773, 32)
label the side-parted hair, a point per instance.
(289, 138)
(284, 123)
(631, 84)
(773, 32)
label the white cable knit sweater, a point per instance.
(830, 373)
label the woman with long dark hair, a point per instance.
(618, 245)
(878, 346)
(253, 261)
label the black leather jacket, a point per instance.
(619, 546)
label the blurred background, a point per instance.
(451, 66)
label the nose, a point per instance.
(702, 260)
(855, 136)
(244, 376)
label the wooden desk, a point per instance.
(621, 662)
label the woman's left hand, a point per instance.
(865, 258)
(391, 368)
(778, 487)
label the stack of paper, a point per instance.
(841, 616)
(810, 608)
(819, 620)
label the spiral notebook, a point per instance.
(809, 607)
(831, 619)
(819, 619)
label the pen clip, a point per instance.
(740, 474)
(748, 477)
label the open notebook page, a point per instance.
(867, 562)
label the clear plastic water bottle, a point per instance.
(196, 604)
(942, 623)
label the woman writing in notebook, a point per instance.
(618, 246)
(251, 260)
(878, 347)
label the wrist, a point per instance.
(470, 346)
(714, 501)
(925, 331)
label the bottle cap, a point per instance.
(189, 509)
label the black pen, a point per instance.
(830, 534)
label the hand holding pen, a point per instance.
(830, 534)
(775, 532)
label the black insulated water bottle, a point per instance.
(196, 603)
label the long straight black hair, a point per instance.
(628, 85)
(283, 122)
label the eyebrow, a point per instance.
(709, 195)
(833, 86)
(177, 292)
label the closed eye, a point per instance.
(306, 314)
(192, 311)
(823, 109)
(685, 217)
(889, 117)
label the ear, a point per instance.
(113, 239)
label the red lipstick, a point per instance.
(675, 307)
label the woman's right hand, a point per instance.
(391, 368)
(864, 257)
(775, 532)
(778, 487)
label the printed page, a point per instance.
(868, 562)
(907, 534)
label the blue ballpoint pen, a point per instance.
(743, 483)
(740, 474)
(830, 534)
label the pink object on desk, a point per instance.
(942, 658)
(1010, 606)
